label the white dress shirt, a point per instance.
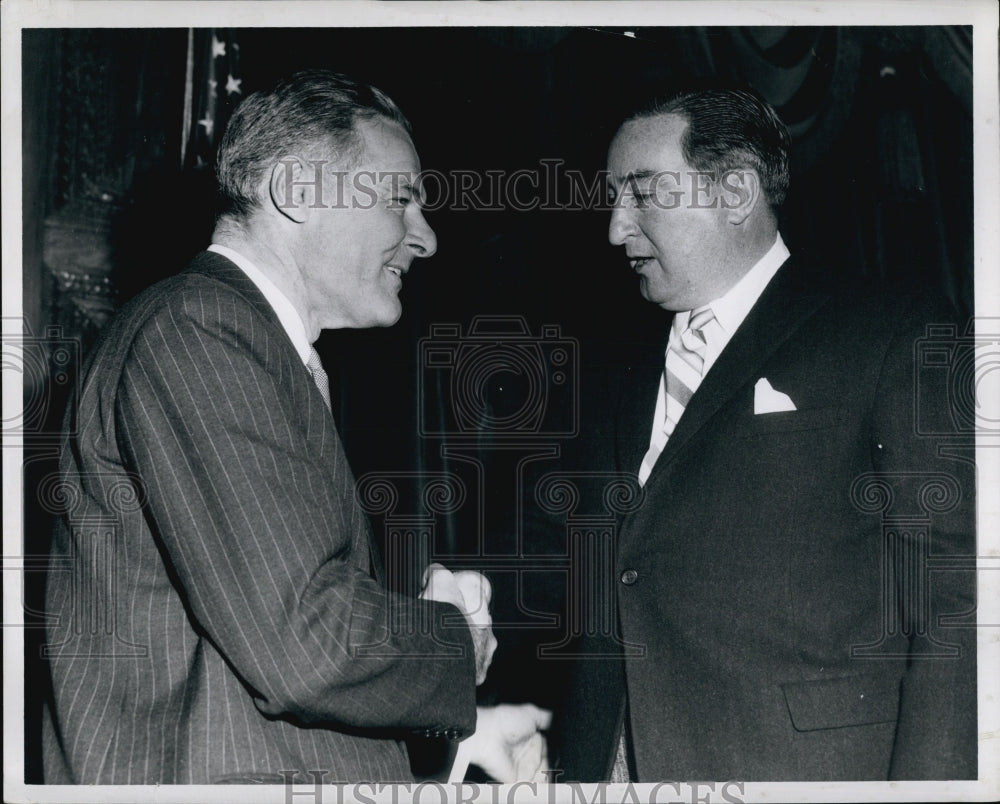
(289, 317)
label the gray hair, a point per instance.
(313, 109)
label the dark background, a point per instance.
(115, 198)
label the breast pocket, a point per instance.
(763, 424)
(832, 703)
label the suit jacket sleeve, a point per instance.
(252, 502)
(936, 725)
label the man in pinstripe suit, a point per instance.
(225, 619)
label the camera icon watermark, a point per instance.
(49, 367)
(498, 379)
(963, 368)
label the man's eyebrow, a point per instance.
(635, 175)
(403, 182)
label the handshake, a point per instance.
(470, 592)
(507, 744)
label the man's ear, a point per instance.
(739, 194)
(293, 186)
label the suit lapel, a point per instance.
(780, 310)
(220, 268)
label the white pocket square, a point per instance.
(767, 400)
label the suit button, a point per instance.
(629, 577)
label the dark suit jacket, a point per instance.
(214, 613)
(784, 616)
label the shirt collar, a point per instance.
(289, 317)
(731, 308)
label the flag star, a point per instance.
(218, 48)
(209, 124)
(233, 85)
(213, 86)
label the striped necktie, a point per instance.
(682, 374)
(315, 367)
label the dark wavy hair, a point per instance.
(730, 129)
(311, 110)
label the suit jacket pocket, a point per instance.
(832, 703)
(790, 420)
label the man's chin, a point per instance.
(648, 293)
(658, 297)
(383, 316)
(390, 315)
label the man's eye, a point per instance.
(400, 200)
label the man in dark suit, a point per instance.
(222, 616)
(778, 616)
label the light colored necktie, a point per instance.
(319, 377)
(682, 375)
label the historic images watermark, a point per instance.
(962, 366)
(549, 187)
(458, 367)
(316, 786)
(48, 366)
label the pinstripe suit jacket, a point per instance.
(217, 619)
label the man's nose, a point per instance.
(621, 226)
(420, 238)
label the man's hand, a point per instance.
(508, 744)
(470, 593)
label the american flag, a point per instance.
(212, 90)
